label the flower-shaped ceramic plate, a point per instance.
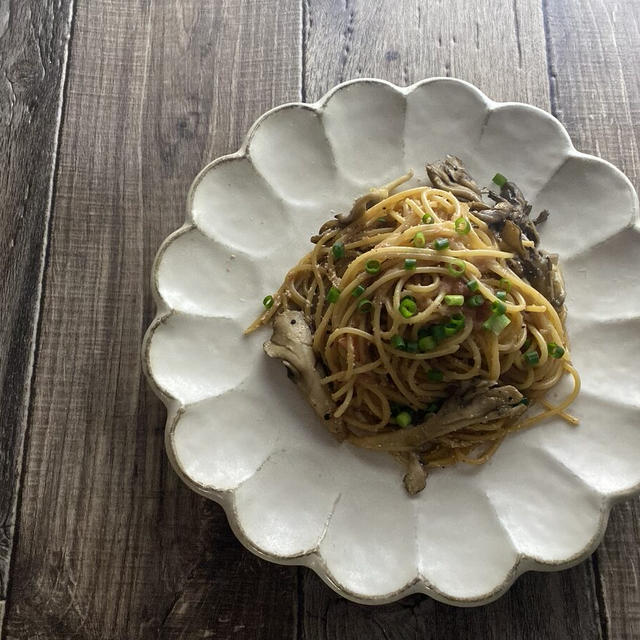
(239, 433)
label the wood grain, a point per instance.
(500, 47)
(33, 53)
(111, 544)
(539, 606)
(594, 47)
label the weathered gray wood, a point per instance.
(496, 44)
(500, 47)
(111, 544)
(594, 48)
(548, 606)
(33, 53)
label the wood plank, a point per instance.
(500, 47)
(33, 55)
(538, 606)
(594, 47)
(111, 544)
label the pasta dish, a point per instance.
(425, 321)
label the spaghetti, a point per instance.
(426, 336)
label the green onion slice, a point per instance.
(435, 375)
(438, 333)
(496, 323)
(440, 244)
(333, 294)
(397, 342)
(505, 284)
(426, 343)
(403, 419)
(358, 291)
(268, 301)
(531, 358)
(408, 307)
(454, 300)
(409, 264)
(499, 179)
(501, 295)
(456, 268)
(555, 351)
(473, 285)
(419, 240)
(475, 301)
(462, 226)
(372, 266)
(498, 307)
(427, 219)
(338, 250)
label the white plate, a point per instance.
(239, 433)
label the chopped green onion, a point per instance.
(499, 179)
(473, 285)
(454, 300)
(418, 240)
(365, 305)
(501, 295)
(505, 284)
(475, 301)
(268, 302)
(403, 419)
(526, 344)
(498, 307)
(531, 358)
(333, 294)
(338, 250)
(524, 401)
(427, 219)
(456, 268)
(412, 346)
(440, 244)
(457, 320)
(496, 323)
(426, 343)
(409, 264)
(435, 375)
(438, 333)
(372, 266)
(424, 332)
(397, 342)
(358, 291)
(408, 307)
(462, 226)
(449, 330)
(381, 219)
(555, 351)
(455, 325)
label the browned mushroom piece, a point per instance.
(473, 403)
(450, 175)
(361, 204)
(415, 479)
(291, 342)
(509, 219)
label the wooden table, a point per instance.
(107, 111)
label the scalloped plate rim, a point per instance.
(312, 559)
